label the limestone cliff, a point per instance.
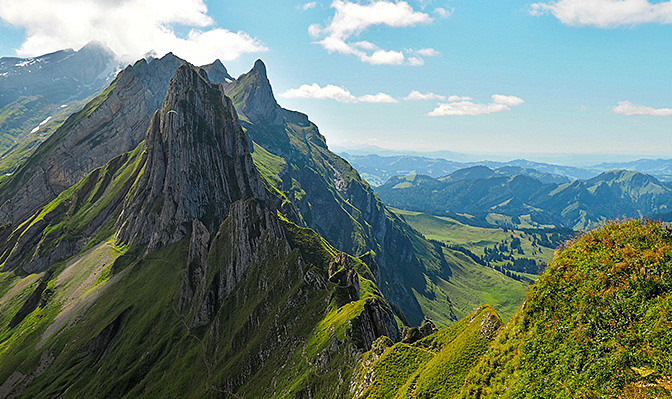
(197, 163)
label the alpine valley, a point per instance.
(175, 232)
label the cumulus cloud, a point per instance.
(462, 107)
(511, 101)
(383, 57)
(628, 108)
(131, 28)
(308, 6)
(606, 13)
(377, 98)
(416, 61)
(337, 93)
(418, 96)
(352, 18)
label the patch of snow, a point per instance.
(40, 125)
(28, 62)
(45, 121)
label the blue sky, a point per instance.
(568, 76)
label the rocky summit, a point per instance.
(196, 164)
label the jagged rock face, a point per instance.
(87, 140)
(217, 72)
(249, 232)
(255, 93)
(196, 165)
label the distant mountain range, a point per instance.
(377, 169)
(530, 197)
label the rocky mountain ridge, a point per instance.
(196, 164)
(247, 288)
(110, 125)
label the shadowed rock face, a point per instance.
(114, 123)
(196, 165)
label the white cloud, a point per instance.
(366, 45)
(337, 93)
(628, 108)
(383, 57)
(328, 92)
(131, 28)
(442, 12)
(466, 107)
(377, 98)
(308, 6)
(511, 101)
(351, 19)
(418, 96)
(606, 13)
(354, 18)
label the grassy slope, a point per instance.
(475, 239)
(157, 357)
(140, 295)
(472, 284)
(433, 367)
(81, 210)
(596, 324)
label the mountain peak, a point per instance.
(197, 164)
(253, 95)
(217, 72)
(259, 68)
(96, 47)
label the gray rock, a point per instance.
(197, 163)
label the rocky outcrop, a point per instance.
(413, 334)
(217, 72)
(254, 91)
(245, 238)
(197, 163)
(375, 321)
(33, 301)
(110, 125)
